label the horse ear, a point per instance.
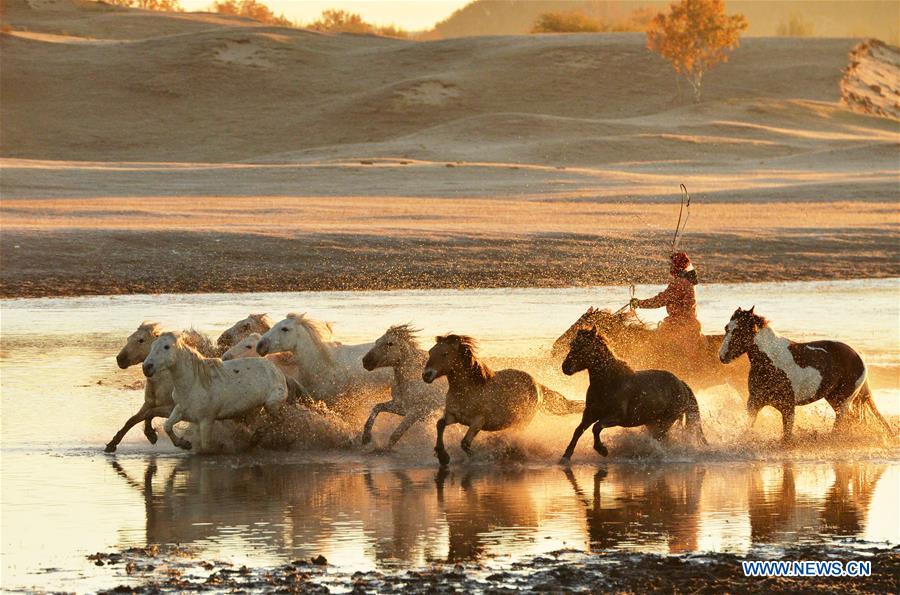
(752, 308)
(591, 310)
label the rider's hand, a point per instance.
(633, 304)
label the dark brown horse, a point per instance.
(645, 349)
(619, 396)
(482, 399)
(785, 374)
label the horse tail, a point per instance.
(865, 395)
(692, 413)
(556, 404)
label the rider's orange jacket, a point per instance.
(678, 298)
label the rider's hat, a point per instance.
(681, 262)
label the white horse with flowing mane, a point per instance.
(328, 370)
(208, 389)
(158, 390)
(411, 398)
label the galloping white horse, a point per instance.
(411, 398)
(328, 370)
(208, 389)
(158, 390)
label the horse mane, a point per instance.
(151, 327)
(319, 332)
(617, 364)
(762, 321)
(406, 333)
(624, 319)
(203, 367)
(198, 341)
(468, 350)
(263, 319)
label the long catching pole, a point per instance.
(684, 211)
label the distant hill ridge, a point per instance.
(839, 18)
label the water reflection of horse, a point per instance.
(191, 499)
(477, 502)
(777, 513)
(661, 504)
(644, 348)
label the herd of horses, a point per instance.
(257, 367)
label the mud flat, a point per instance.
(561, 571)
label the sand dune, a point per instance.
(129, 108)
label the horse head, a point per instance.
(451, 353)
(392, 348)
(246, 347)
(137, 346)
(587, 349)
(162, 354)
(739, 334)
(254, 323)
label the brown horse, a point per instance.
(643, 348)
(785, 374)
(619, 396)
(482, 399)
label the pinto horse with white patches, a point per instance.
(785, 374)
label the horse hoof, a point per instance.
(185, 445)
(365, 440)
(152, 437)
(443, 458)
(604, 452)
(110, 448)
(564, 461)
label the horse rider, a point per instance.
(681, 326)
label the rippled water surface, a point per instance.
(63, 398)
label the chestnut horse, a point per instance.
(643, 348)
(482, 399)
(619, 396)
(785, 374)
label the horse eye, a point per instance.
(140, 340)
(248, 346)
(390, 343)
(166, 347)
(284, 329)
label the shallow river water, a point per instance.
(63, 398)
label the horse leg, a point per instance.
(841, 413)
(149, 432)
(787, 424)
(599, 446)
(660, 431)
(440, 451)
(205, 434)
(474, 428)
(176, 416)
(570, 449)
(752, 412)
(135, 419)
(405, 424)
(370, 423)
